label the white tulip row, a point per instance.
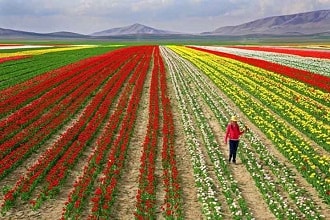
(228, 185)
(206, 188)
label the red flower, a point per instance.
(98, 191)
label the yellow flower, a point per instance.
(43, 51)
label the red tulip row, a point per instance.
(319, 81)
(172, 207)
(41, 125)
(292, 51)
(146, 197)
(64, 152)
(104, 193)
(86, 92)
(59, 171)
(159, 105)
(5, 59)
(13, 98)
(82, 186)
(21, 128)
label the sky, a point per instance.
(187, 16)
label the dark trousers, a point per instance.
(233, 145)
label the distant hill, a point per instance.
(135, 29)
(16, 34)
(308, 23)
(67, 34)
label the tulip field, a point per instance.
(137, 132)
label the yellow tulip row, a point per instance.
(280, 100)
(299, 151)
(309, 116)
(282, 86)
(43, 51)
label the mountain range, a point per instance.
(132, 29)
(315, 22)
(300, 24)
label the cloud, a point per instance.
(24, 8)
(87, 16)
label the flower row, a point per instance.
(29, 127)
(84, 184)
(295, 148)
(273, 96)
(211, 206)
(42, 51)
(30, 70)
(6, 59)
(64, 153)
(173, 190)
(300, 52)
(256, 162)
(146, 197)
(104, 195)
(227, 184)
(195, 77)
(315, 65)
(316, 80)
(51, 108)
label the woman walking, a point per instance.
(233, 132)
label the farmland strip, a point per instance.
(53, 106)
(270, 95)
(319, 81)
(58, 173)
(238, 207)
(173, 187)
(53, 119)
(104, 142)
(6, 59)
(293, 89)
(315, 167)
(31, 89)
(268, 173)
(315, 65)
(206, 193)
(299, 52)
(146, 198)
(105, 192)
(36, 65)
(60, 146)
(258, 86)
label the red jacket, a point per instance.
(233, 132)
